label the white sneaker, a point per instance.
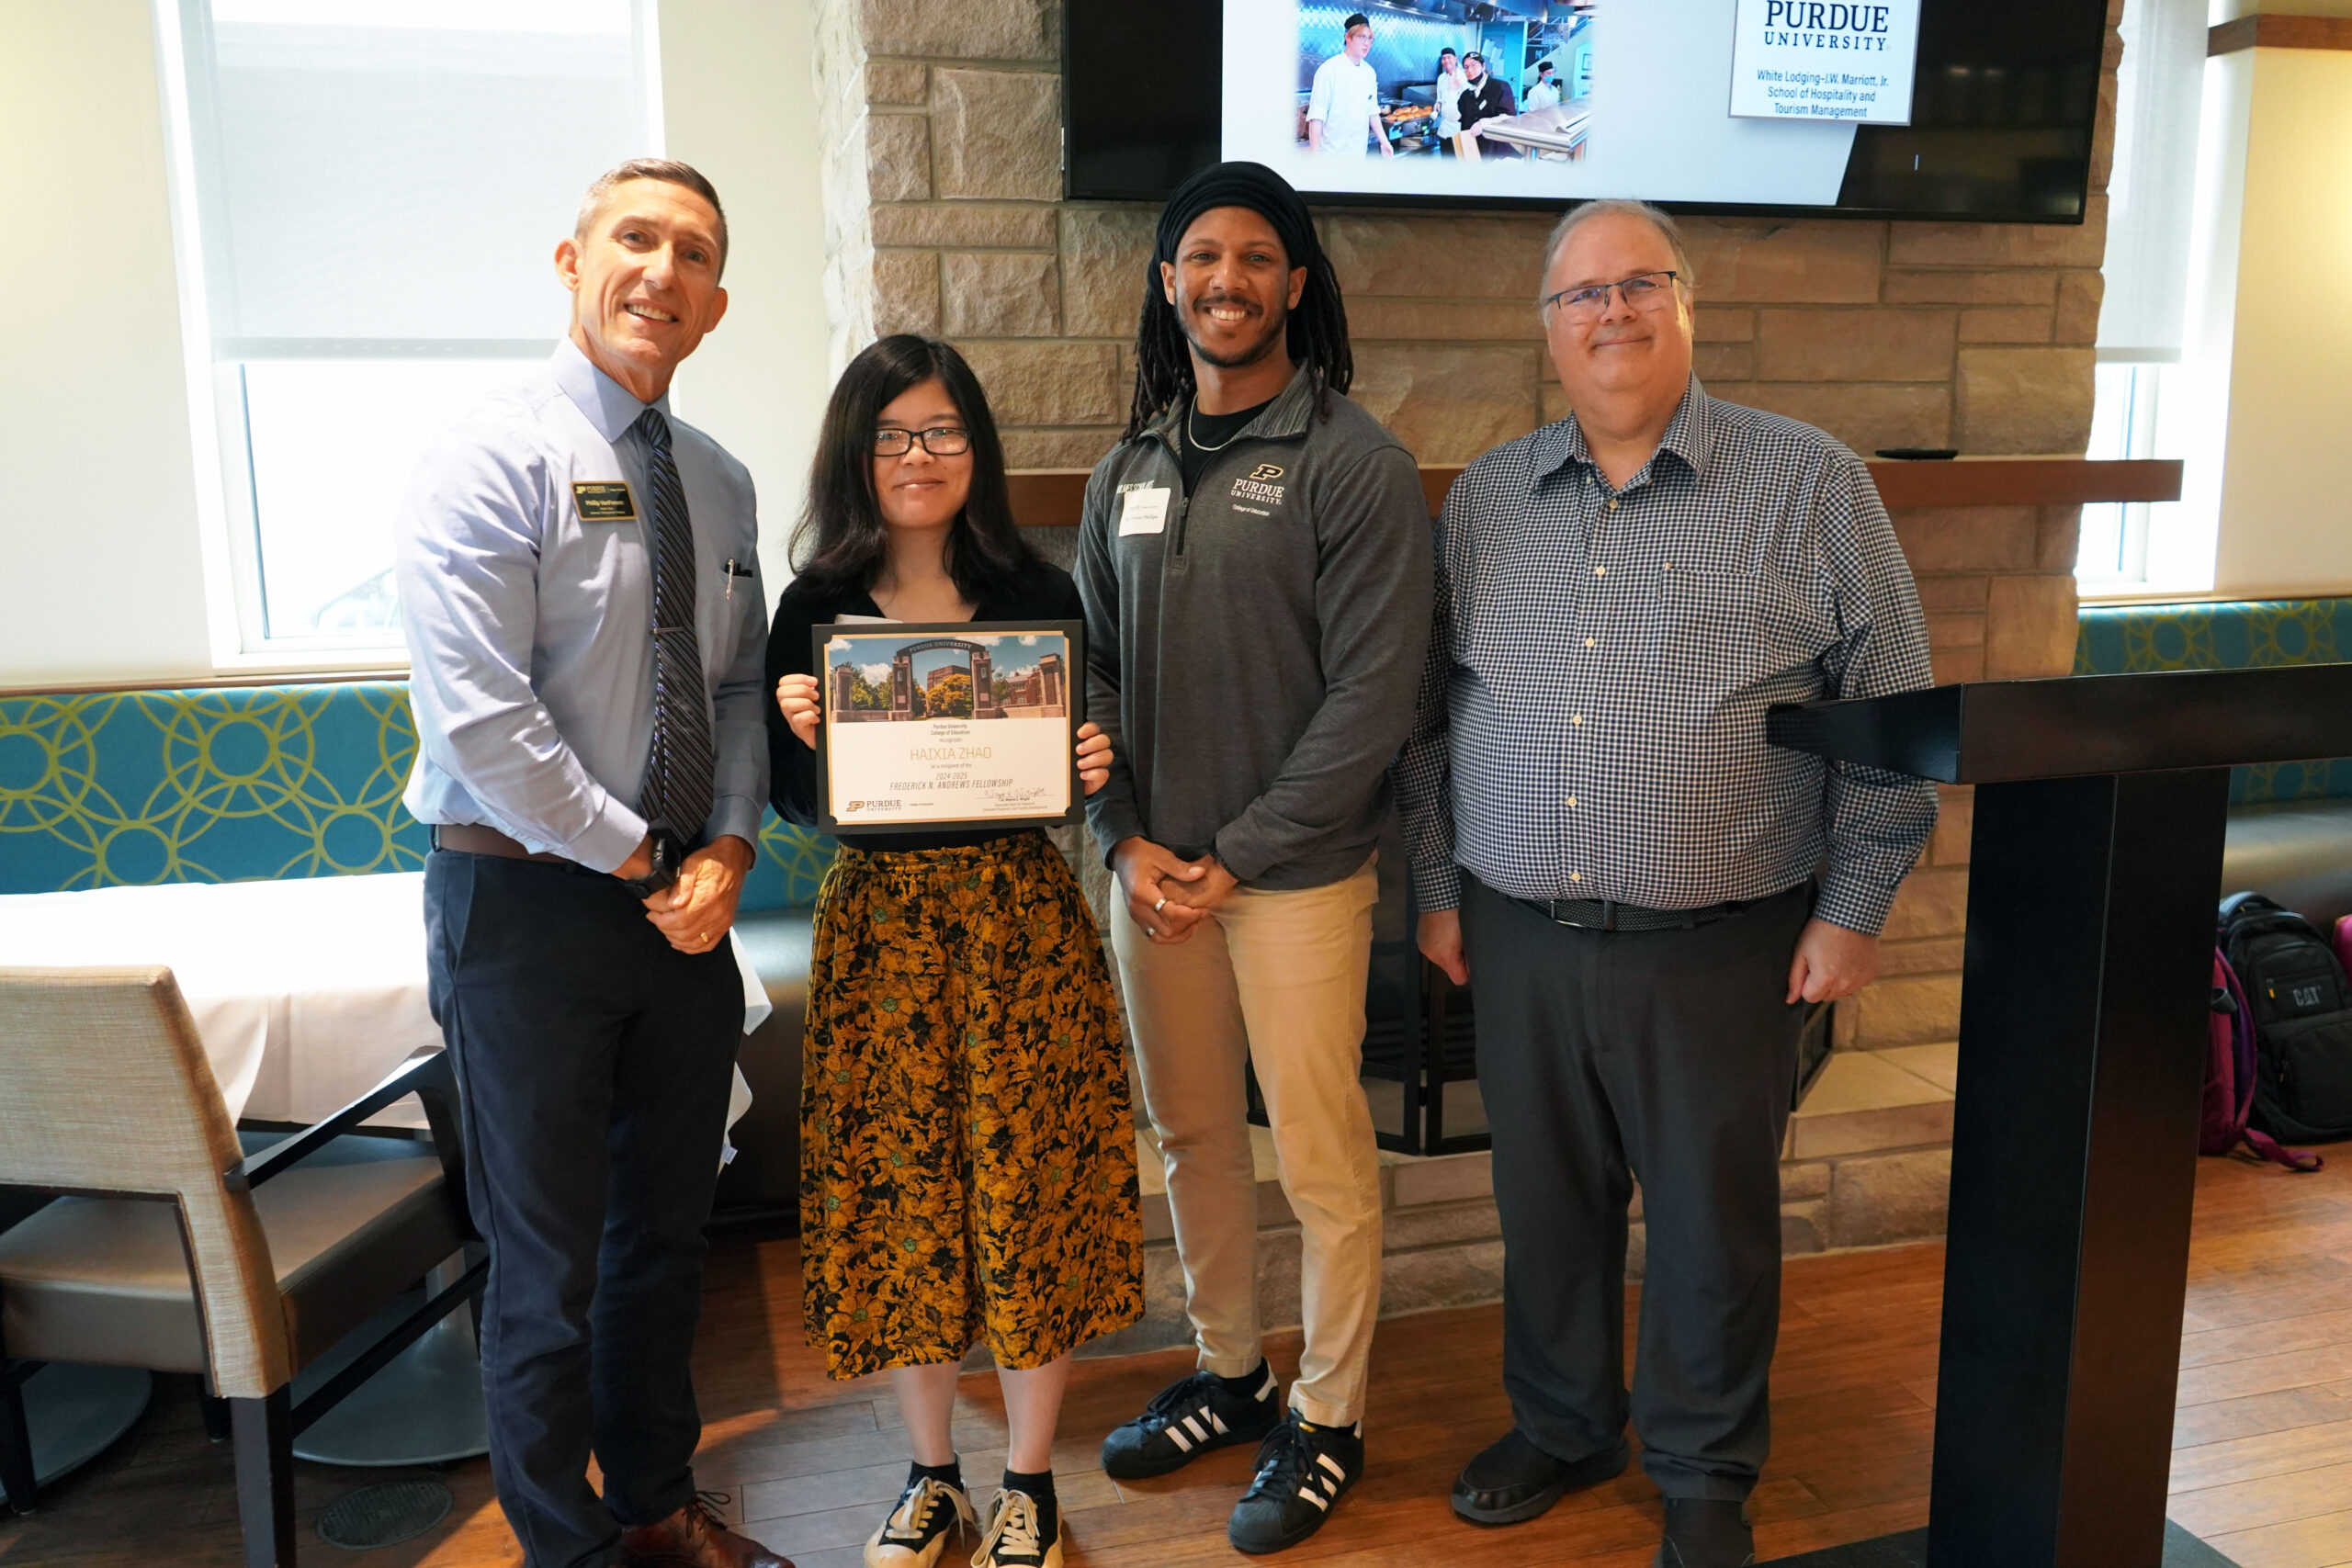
(929, 1514)
(1014, 1537)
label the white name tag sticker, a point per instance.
(1143, 509)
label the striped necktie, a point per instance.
(678, 776)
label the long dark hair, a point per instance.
(1316, 337)
(841, 542)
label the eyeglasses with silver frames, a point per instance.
(1642, 291)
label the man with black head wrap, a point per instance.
(1256, 563)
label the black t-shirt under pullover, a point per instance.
(1203, 436)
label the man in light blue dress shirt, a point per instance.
(592, 822)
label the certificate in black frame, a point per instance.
(912, 637)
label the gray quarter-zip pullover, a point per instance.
(1254, 657)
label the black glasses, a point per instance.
(1642, 291)
(942, 441)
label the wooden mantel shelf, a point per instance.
(2026, 481)
(1045, 498)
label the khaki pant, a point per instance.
(1277, 978)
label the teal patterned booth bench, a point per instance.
(2290, 823)
(2246, 634)
(245, 784)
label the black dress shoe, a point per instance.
(1705, 1532)
(1513, 1481)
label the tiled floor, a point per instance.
(1939, 1065)
(1876, 1100)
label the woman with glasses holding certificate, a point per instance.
(967, 1156)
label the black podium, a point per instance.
(2095, 869)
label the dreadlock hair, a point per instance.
(840, 541)
(1316, 335)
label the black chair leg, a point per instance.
(214, 1413)
(16, 1441)
(263, 1432)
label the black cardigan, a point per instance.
(1046, 592)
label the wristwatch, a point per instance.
(662, 848)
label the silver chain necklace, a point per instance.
(1194, 436)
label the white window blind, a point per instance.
(2147, 397)
(378, 188)
(2151, 191)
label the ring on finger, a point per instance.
(1161, 905)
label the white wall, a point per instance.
(740, 103)
(101, 570)
(2286, 490)
(101, 558)
(2231, 10)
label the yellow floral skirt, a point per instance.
(967, 1156)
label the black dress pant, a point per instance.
(594, 1063)
(1667, 1056)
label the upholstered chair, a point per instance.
(167, 1248)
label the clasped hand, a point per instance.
(697, 912)
(1167, 894)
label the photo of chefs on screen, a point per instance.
(1421, 79)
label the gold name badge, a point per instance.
(603, 500)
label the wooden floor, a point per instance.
(2262, 1468)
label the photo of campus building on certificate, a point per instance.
(872, 678)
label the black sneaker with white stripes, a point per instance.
(1187, 1418)
(1302, 1470)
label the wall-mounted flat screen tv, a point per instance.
(1910, 109)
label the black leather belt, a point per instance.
(1607, 914)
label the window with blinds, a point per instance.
(374, 189)
(2146, 406)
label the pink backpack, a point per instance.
(2229, 1073)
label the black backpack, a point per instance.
(2303, 1020)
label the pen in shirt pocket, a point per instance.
(734, 571)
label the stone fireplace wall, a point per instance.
(942, 130)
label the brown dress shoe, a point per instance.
(694, 1538)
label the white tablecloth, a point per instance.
(307, 993)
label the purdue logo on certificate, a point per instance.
(949, 724)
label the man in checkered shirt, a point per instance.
(1647, 893)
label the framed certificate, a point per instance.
(948, 724)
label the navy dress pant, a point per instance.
(594, 1062)
(1671, 1057)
